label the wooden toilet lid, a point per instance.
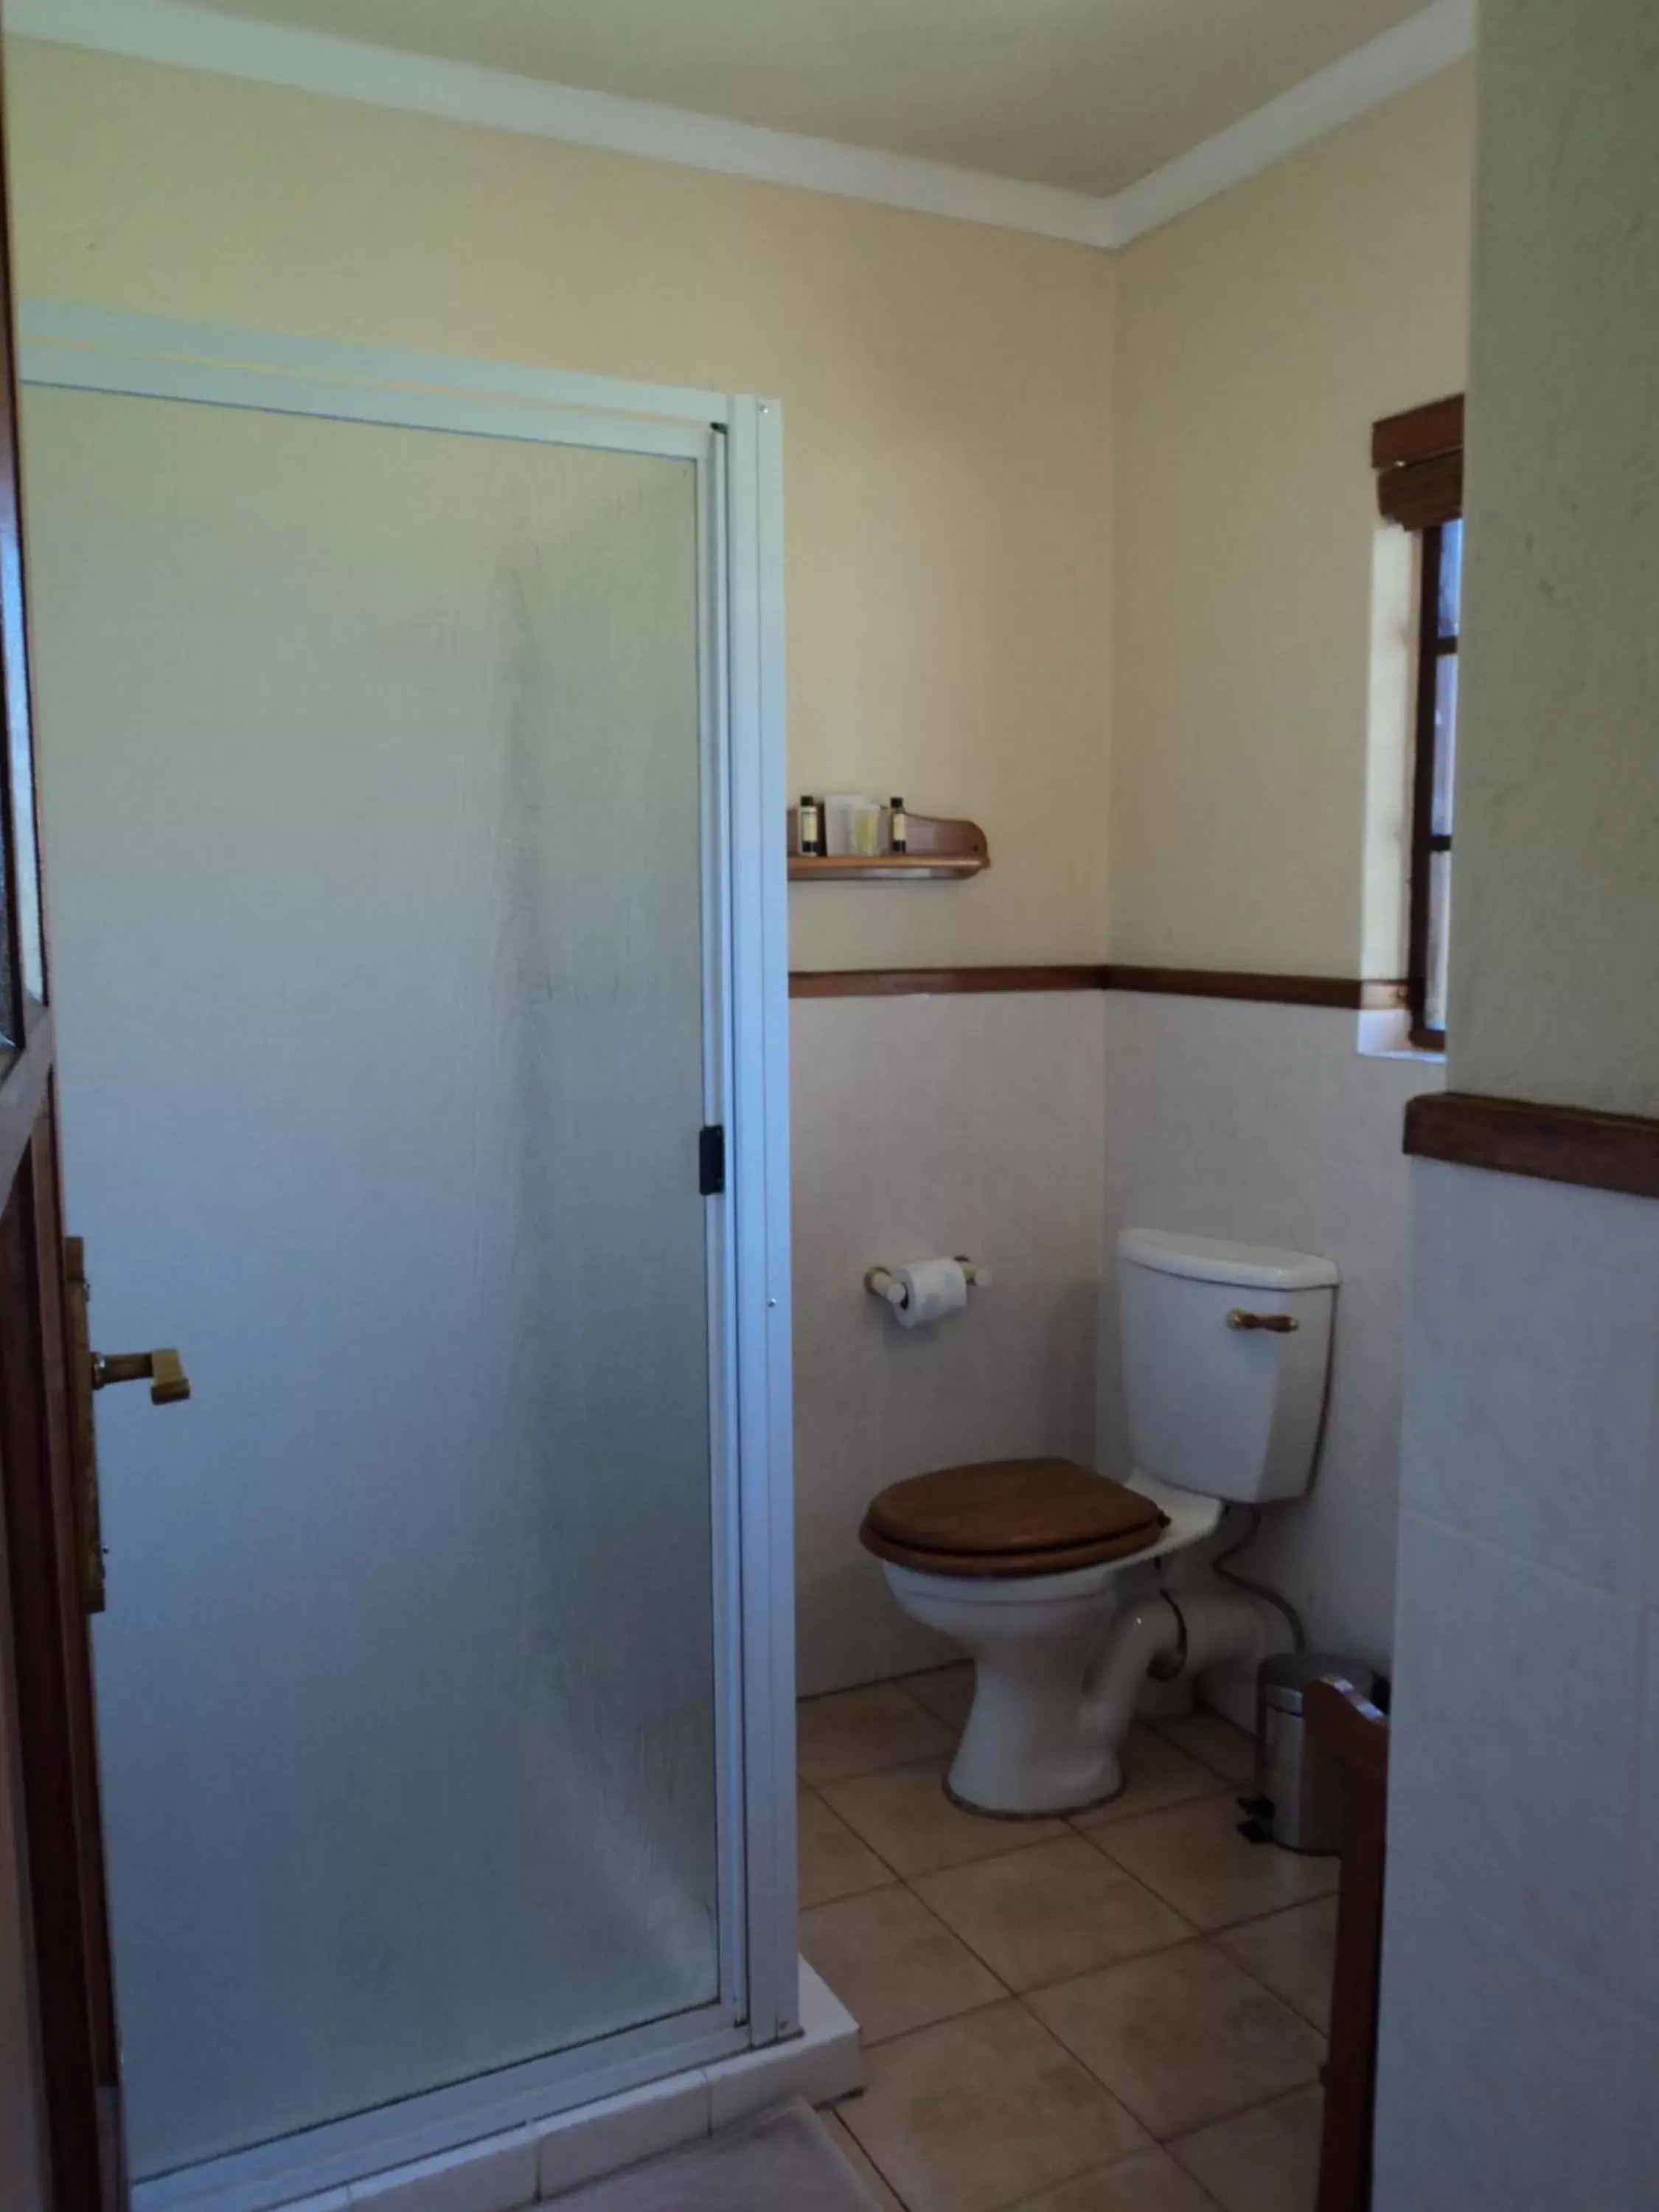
(1009, 1516)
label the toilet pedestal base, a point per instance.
(1026, 1752)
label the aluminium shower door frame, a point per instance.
(735, 443)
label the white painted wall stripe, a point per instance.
(188, 36)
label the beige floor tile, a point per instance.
(947, 1692)
(1149, 2182)
(980, 2112)
(1229, 1750)
(833, 1861)
(1267, 2161)
(1294, 1953)
(905, 1815)
(854, 2152)
(857, 1731)
(1182, 2038)
(1045, 1914)
(1155, 1774)
(892, 1964)
(1194, 1859)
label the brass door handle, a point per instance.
(1276, 1324)
(162, 1369)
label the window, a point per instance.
(1431, 782)
(1418, 457)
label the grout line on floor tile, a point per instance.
(814, 1790)
(836, 2110)
(949, 2020)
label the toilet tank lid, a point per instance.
(1210, 1259)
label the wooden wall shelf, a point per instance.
(938, 851)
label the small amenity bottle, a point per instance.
(808, 827)
(898, 826)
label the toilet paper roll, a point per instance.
(933, 1288)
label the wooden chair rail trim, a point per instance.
(1339, 991)
(920, 982)
(1556, 1144)
(1353, 991)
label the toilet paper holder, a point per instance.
(882, 1283)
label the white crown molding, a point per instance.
(1418, 48)
(345, 69)
(188, 36)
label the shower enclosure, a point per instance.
(412, 748)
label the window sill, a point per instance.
(1385, 1033)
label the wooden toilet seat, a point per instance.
(1009, 1517)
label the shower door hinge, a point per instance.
(711, 1161)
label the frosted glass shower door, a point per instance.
(383, 793)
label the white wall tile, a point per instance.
(1514, 1751)
(1028, 1129)
(1534, 1366)
(847, 1628)
(1505, 2085)
(1639, 1981)
(1265, 1123)
(1520, 1985)
(968, 1123)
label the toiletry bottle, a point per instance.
(809, 826)
(899, 826)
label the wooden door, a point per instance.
(60, 2132)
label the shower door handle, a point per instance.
(162, 1369)
(90, 1370)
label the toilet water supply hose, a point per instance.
(1218, 1566)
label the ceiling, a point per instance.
(1088, 95)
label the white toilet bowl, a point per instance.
(1039, 1738)
(1226, 1351)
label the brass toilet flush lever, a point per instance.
(163, 1369)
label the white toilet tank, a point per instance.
(1216, 1405)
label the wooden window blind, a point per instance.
(1418, 459)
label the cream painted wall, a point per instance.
(947, 441)
(1259, 338)
(1519, 2024)
(1555, 966)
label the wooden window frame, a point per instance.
(1419, 459)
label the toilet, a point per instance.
(1056, 1580)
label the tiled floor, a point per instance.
(1119, 2012)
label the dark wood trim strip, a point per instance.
(1347, 991)
(920, 982)
(1558, 1143)
(1340, 991)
